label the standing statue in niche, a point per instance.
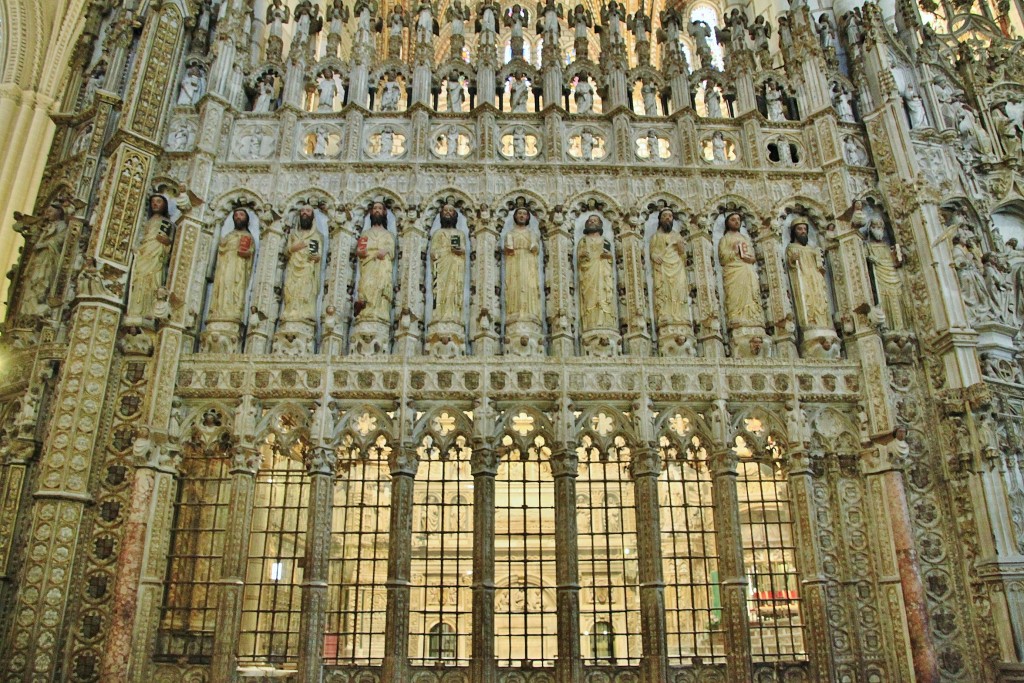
(740, 281)
(46, 235)
(448, 261)
(668, 270)
(973, 290)
(522, 281)
(376, 252)
(649, 93)
(548, 25)
(915, 108)
(303, 255)
(597, 279)
(193, 85)
(390, 95)
(883, 262)
(456, 94)
(713, 101)
(810, 291)
(519, 93)
(150, 268)
(584, 95)
(236, 254)
(773, 101)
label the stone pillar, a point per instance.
(558, 272)
(900, 584)
(633, 276)
(780, 309)
(708, 313)
(646, 469)
(150, 504)
(568, 665)
(732, 579)
(344, 228)
(403, 463)
(485, 311)
(813, 582)
(412, 242)
(320, 463)
(263, 299)
(12, 493)
(483, 665)
(244, 465)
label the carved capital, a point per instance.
(646, 461)
(723, 462)
(321, 460)
(246, 460)
(564, 462)
(403, 461)
(485, 459)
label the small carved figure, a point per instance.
(327, 90)
(193, 85)
(718, 147)
(522, 272)
(303, 256)
(584, 95)
(448, 262)
(46, 237)
(649, 93)
(596, 278)
(739, 276)
(915, 108)
(151, 258)
(807, 278)
(668, 271)
(375, 251)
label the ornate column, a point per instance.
(245, 463)
(780, 309)
(12, 492)
(732, 579)
(568, 665)
(344, 225)
(558, 271)
(551, 73)
(708, 313)
(484, 664)
(320, 463)
(412, 242)
(813, 583)
(900, 586)
(485, 310)
(263, 315)
(638, 335)
(646, 467)
(403, 463)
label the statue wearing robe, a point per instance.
(151, 257)
(888, 288)
(522, 280)
(448, 259)
(44, 259)
(376, 253)
(807, 278)
(739, 278)
(597, 283)
(302, 272)
(668, 270)
(235, 255)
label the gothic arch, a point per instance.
(444, 425)
(364, 423)
(729, 203)
(833, 432)
(225, 201)
(541, 427)
(589, 200)
(817, 212)
(364, 199)
(762, 430)
(590, 423)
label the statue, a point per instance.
(519, 142)
(304, 252)
(972, 134)
(390, 94)
(584, 95)
(854, 154)
(1008, 132)
(973, 290)
(587, 145)
(337, 16)
(826, 33)
(581, 20)
(236, 254)
(596, 278)
(713, 102)
(842, 101)
(264, 94)
(426, 24)
(668, 272)
(365, 11)
(522, 275)
(451, 138)
(387, 143)
(97, 77)
(807, 278)
(760, 33)
(327, 89)
(515, 18)
(639, 24)
(548, 21)
(457, 16)
(649, 93)
(448, 263)
(653, 146)
(915, 108)
(519, 94)
(487, 22)
(151, 258)
(882, 264)
(193, 85)
(773, 101)
(700, 32)
(46, 237)
(612, 15)
(718, 147)
(456, 93)
(1000, 290)
(739, 277)
(375, 250)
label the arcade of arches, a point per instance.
(391, 342)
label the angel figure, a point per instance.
(760, 32)
(277, 17)
(612, 16)
(639, 24)
(426, 24)
(581, 20)
(548, 25)
(700, 32)
(457, 15)
(487, 13)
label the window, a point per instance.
(603, 640)
(525, 622)
(689, 547)
(358, 570)
(441, 643)
(442, 546)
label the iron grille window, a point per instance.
(442, 554)
(525, 622)
(603, 639)
(271, 602)
(689, 547)
(189, 612)
(357, 584)
(769, 557)
(608, 566)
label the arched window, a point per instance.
(525, 623)
(603, 641)
(689, 547)
(188, 618)
(440, 593)
(769, 551)
(441, 642)
(360, 532)
(272, 599)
